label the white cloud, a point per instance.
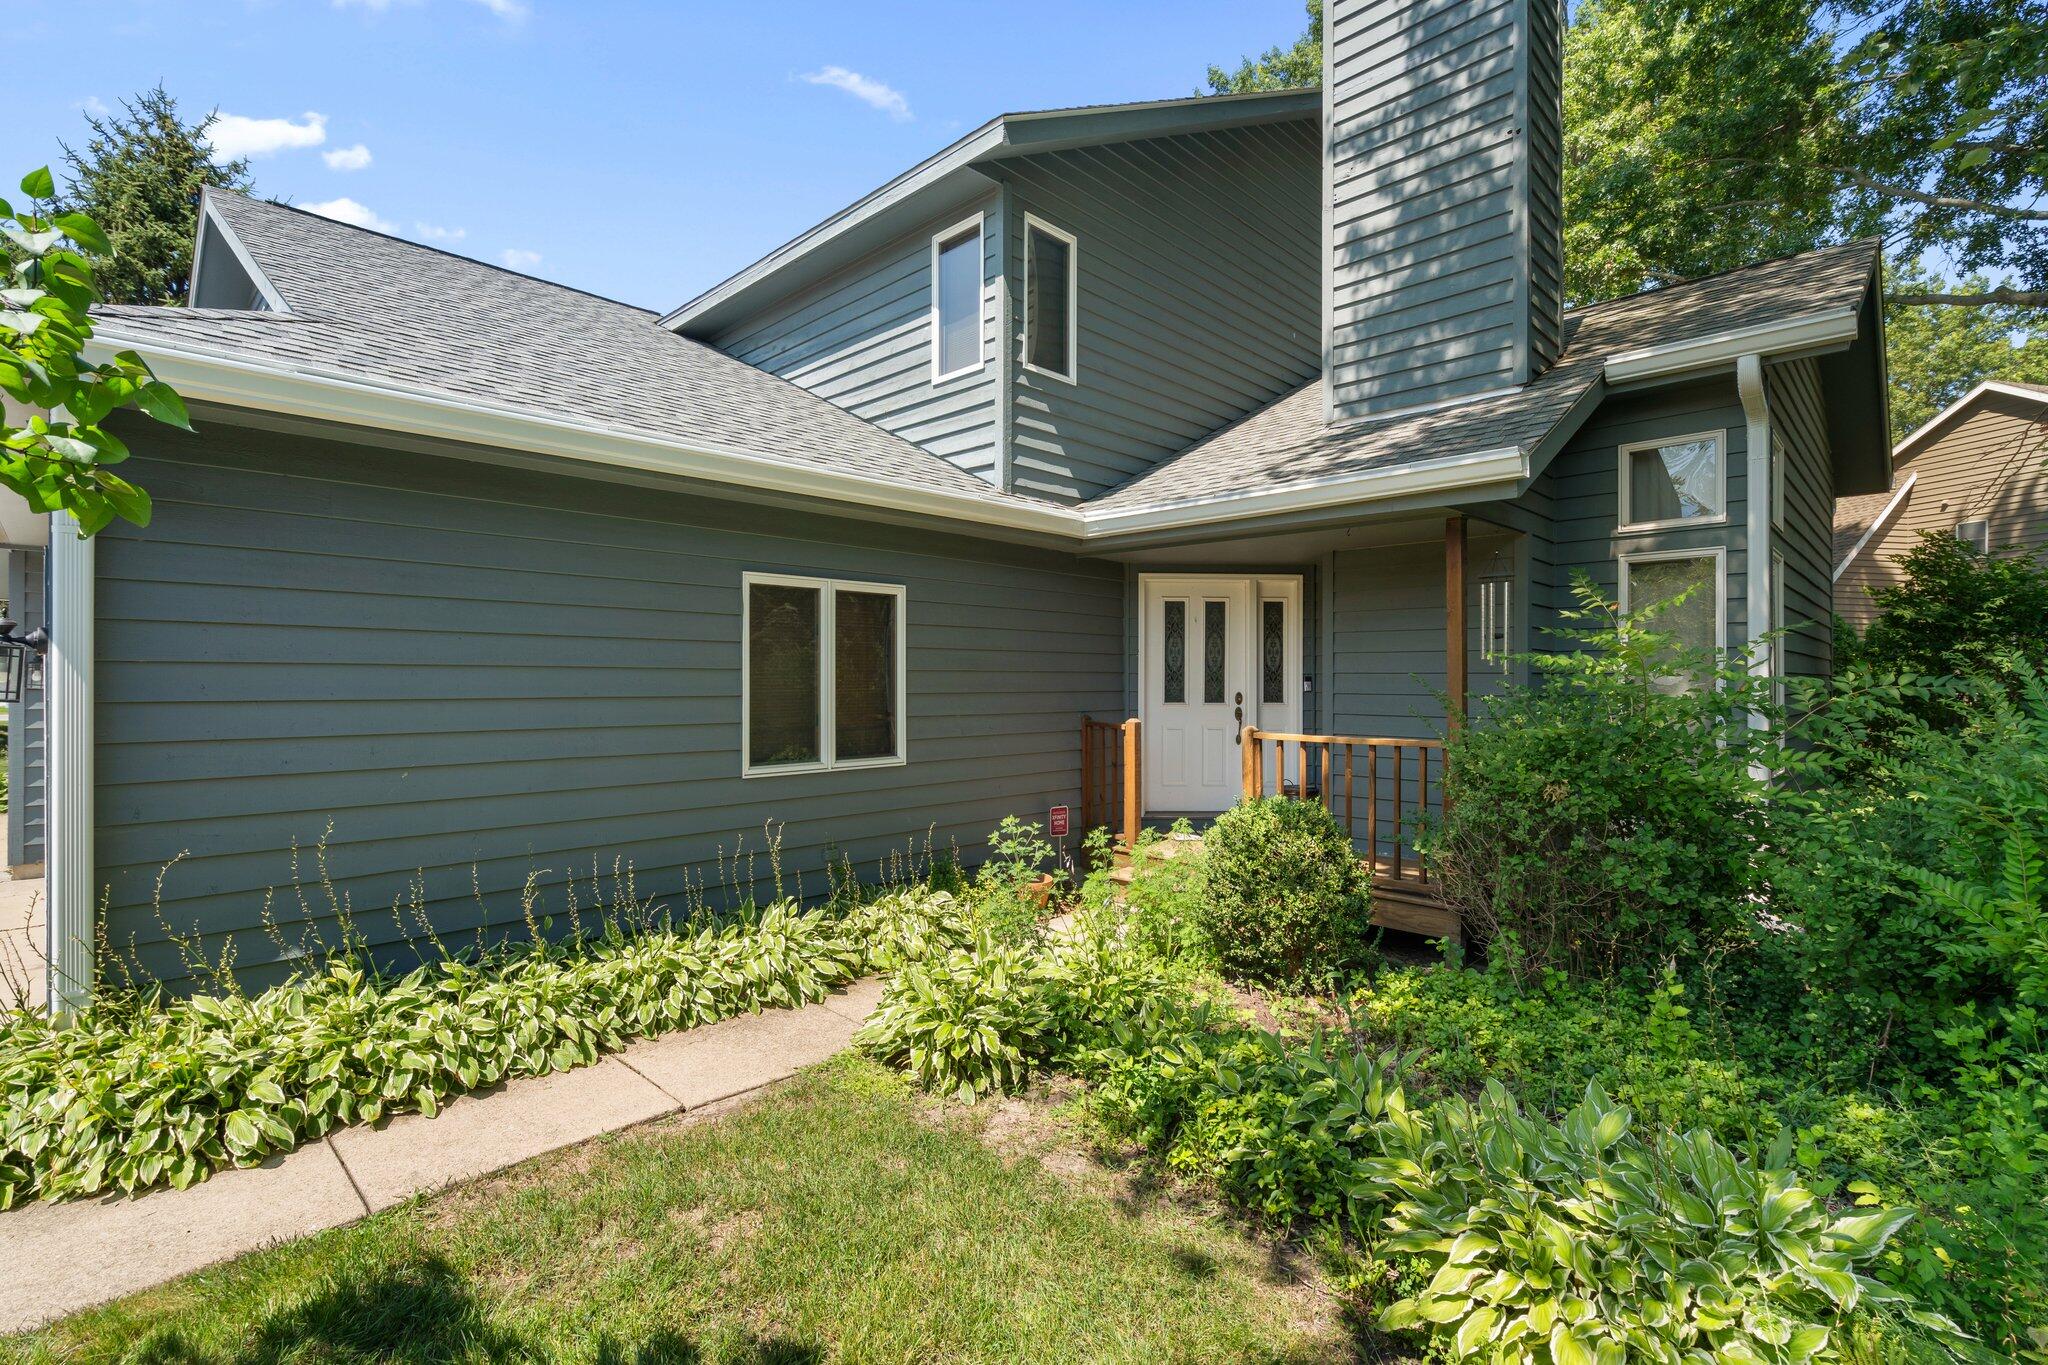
(514, 258)
(95, 106)
(234, 137)
(347, 210)
(866, 89)
(347, 158)
(511, 11)
(427, 232)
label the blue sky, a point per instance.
(642, 151)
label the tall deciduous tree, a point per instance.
(1299, 63)
(1939, 353)
(139, 176)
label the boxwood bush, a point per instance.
(1286, 895)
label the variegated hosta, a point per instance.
(1578, 1243)
(909, 925)
(970, 1022)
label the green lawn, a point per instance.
(840, 1218)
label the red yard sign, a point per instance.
(1058, 822)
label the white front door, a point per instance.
(1201, 678)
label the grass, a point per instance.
(840, 1218)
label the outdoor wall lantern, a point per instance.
(16, 663)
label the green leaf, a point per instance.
(39, 183)
(162, 402)
(1476, 1331)
(83, 231)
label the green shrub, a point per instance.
(976, 1021)
(1162, 904)
(136, 1093)
(1579, 1242)
(1286, 894)
(1603, 820)
(1957, 611)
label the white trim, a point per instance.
(1898, 500)
(1073, 375)
(1987, 386)
(1447, 473)
(68, 730)
(209, 214)
(1720, 439)
(1778, 623)
(1836, 327)
(1971, 541)
(828, 590)
(1759, 515)
(954, 235)
(1718, 553)
(252, 384)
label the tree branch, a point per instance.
(2018, 298)
(1939, 201)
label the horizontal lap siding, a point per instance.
(1198, 296)
(1990, 463)
(540, 677)
(863, 341)
(1804, 535)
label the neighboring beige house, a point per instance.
(1979, 469)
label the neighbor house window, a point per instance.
(1696, 625)
(1976, 535)
(1669, 482)
(1051, 345)
(822, 678)
(956, 300)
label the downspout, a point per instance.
(1749, 383)
(68, 721)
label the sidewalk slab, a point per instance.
(64, 1257)
(857, 1001)
(732, 1057)
(479, 1133)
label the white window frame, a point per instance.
(1717, 553)
(1073, 375)
(1781, 455)
(1971, 541)
(1720, 440)
(954, 233)
(828, 731)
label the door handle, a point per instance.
(1237, 734)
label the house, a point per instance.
(1978, 468)
(1212, 413)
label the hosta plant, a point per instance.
(974, 1021)
(1577, 1242)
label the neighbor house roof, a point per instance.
(949, 179)
(1287, 443)
(377, 313)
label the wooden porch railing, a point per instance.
(1110, 773)
(1394, 781)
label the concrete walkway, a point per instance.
(64, 1257)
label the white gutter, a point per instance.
(1898, 500)
(1443, 474)
(249, 384)
(1758, 515)
(1837, 327)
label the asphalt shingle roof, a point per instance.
(1287, 442)
(369, 307)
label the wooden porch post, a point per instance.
(1134, 806)
(1455, 682)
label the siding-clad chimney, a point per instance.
(1444, 197)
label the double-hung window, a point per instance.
(821, 675)
(1051, 301)
(1678, 481)
(957, 334)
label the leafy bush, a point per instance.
(1957, 611)
(1578, 1241)
(976, 1021)
(135, 1093)
(1604, 820)
(1286, 894)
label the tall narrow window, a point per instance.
(956, 300)
(1175, 648)
(1050, 342)
(1694, 625)
(822, 680)
(1213, 648)
(1680, 480)
(1273, 653)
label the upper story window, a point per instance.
(957, 334)
(1675, 481)
(822, 676)
(1051, 300)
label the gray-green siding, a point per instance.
(463, 665)
(25, 767)
(1198, 296)
(1803, 536)
(1445, 154)
(863, 340)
